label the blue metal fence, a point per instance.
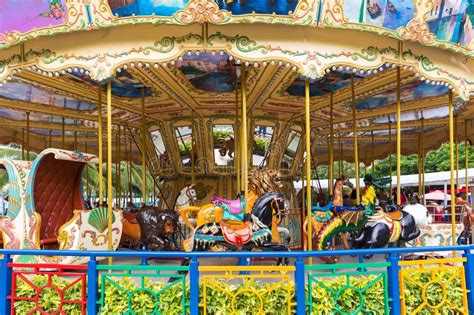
(392, 257)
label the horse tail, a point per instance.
(184, 215)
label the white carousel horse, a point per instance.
(187, 197)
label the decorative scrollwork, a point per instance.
(202, 11)
(417, 31)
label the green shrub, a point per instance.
(434, 293)
(323, 296)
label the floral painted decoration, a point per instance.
(56, 10)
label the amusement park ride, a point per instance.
(226, 104)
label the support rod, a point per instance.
(143, 149)
(100, 145)
(109, 166)
(308, 164)
(390, 152)
(63, 134)
(236, 141)
(331, 146)
(244, 138)
(399, 139)
(451, 166)
(28, 136)
(356, 149)
(466, 160)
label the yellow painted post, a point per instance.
(87, 176)
(63, 134)
(130, 155)
(308, 165)
(50, 138)
(193, 171)
(372, 153)
(451, 165)
(119, 174)
(100, 146)
(109, 167)
(419, 165)
(331, 146)
(466, 160)
(356, 144)
(75, 141)
(390, 152)
(22, 144)
(28, 136)
(341, 159)
(244, 138)
(143, 149)
(456, 148)
(236, 141)
(399, 139)
(422, 145)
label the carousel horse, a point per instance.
(131, 227)
(401, 225)
(157, 228)
(253, 231)
(261, 181)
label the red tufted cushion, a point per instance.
(57, 193)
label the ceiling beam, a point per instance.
(42, 125)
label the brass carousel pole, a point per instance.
(451, 164)
(63, 134)
(356, 149)
(419, 164)
(50, 138)
(28, 136)
(143, 149)
(399, 139)
(331, 147)
(341, 161)
(100, 146)
(372, 153)
(109, 167)
(244, 138)
(87, 176)
(130, 188)
(456, 148)
(422, 147)
(119, 172)
(75, 140)
(390, 152)
(193, 171)
(22, 144)
(466, 160)
(236, 141)
(308, 167)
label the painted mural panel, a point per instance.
(124, 84)
(25, 15)
(412, 91)
(237, 7)
(125, 8)
(330, 82)
(390, 14)
(207, 72)
(16, 90)
(452, 20)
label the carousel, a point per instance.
(224, 105)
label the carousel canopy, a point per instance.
(177, 67)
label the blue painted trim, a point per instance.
(194, 286)
(5, 284)
(394, 284)
(265, 254)
(300, 287)
(92, 289)
(469, 273)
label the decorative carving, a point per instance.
(202, 11)
(417, 30)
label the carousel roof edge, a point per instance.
(414, 21)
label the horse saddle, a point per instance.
(130, 217)
(325, 208)
(232, 206)
(236, 233)
(395, 215)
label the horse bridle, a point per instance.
(276, 207)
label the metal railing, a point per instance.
(384, 284)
